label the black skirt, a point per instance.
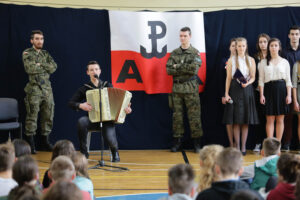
(275, 95)
(242, 110)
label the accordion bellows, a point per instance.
(114, 101)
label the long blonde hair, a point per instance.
(208, 157)
(241, 39)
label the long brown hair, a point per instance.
(242, 39)
(259, 54)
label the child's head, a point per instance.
(271, 146)
(21, 148)
(181, 179)
(25, 170)
(7, 157)
(63, 147)
(62, 168)
(25, 192)
(63, 190)
(288, 166)
(80, 164)
(229, 163)
(297, 189)
(208, 156)
(245, 195)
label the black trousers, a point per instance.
(109, 133)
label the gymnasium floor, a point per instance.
(146, 177)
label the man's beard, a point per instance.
(38, 46)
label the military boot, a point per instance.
(176, 144)
(30, 140)
(197, 145)
(45, 145)
(115, 155)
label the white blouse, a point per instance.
(272, 72)
(242, 66)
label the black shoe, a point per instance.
(115, 156)
(30, 140)
(285, 148)
(244, 153)
(176, 145)
(197, 146)
(45, 145)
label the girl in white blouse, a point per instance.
(275, 88)
(240, 109)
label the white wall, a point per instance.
(158, 5)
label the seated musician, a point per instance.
(78, 101)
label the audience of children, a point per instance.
(219, 174)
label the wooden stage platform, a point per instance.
(147, 170)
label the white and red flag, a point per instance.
(141, 43)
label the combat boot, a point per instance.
(115, 155)
(176, 144)
(30, 140)
(45, 145)
(197, 145)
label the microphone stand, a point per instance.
(101, 163)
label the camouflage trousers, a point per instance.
(35, 104)
(192, 104)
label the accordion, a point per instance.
(113, 101)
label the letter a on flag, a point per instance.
(141, 43)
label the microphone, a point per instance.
(96, 76)
(230, 101)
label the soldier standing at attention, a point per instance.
(183, 65)
(39, 98)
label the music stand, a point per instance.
(101, 163)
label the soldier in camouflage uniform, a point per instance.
(39, 97)
(183, 65)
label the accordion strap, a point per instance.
(86, 85)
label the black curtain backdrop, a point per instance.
(75, 36)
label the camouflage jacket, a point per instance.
(183, 66)
(39, 66)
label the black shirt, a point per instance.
(80, 95)
(292, 56)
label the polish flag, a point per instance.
(141, 43)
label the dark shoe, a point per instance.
(244, 153)
(285, 148)
(45, 144)
(197, 146)
(176, 144)
(30, 140)
(115, 156)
